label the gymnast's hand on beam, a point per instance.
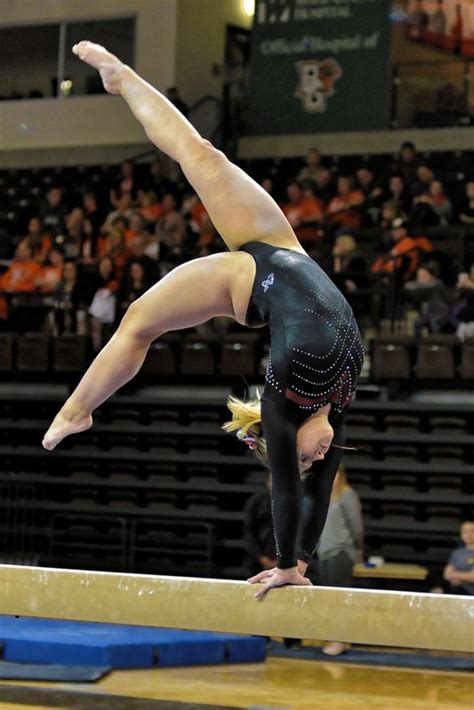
(277, 577)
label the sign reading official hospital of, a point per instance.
(319, 66)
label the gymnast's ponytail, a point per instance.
(247, 422)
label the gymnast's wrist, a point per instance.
(302, 567)
(286, 564)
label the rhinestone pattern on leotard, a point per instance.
(316, 350)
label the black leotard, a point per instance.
(316, 356)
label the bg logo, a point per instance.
(316, 80)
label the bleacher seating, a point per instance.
(413, 503)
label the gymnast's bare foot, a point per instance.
(64, 425)
(107, 64)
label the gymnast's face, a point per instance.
(314, 438)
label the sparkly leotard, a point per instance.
(316, 355)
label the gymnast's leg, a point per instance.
(240, 209)
(171, 304)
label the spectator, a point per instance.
(137, 254)
(137, 227)
(23, 272)
(133, 285)
(313, 167)
(102, 308)
(341, 543)
(429, 294)
(323, 190)
(38, 240)
(157, 182)
(459, 571)
(344, 210)
(373, 193)
(349, 270)
(171, 229)
(398, 196)
(440, 202)
(172, 94)
(403, 257)
(421, 183)
(73, 237)
(67, 300)
(93, 213)
(304, 212)
(148, 206)
(431, 208)
(463, 311)
(268, 185)
(51, 273)
(407, 162)
(20, 278)
(258, 531)
(53, 212)
(89, 248)
(125, 182)
(114, 246)
(123, 208)
(466, 211)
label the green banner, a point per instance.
(319, 66)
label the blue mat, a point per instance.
(375, 658)
(28, 640)
(72, 674)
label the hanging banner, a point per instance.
(319, 65)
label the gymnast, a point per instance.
(265, 277)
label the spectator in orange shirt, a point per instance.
(114, 246)
(23, 273)
(344, 208)
(304, 212)
(404, 257)
(201, 226)
(51, 273)
(21, 277)
(39, 241)
(148, 206)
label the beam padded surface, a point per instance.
(385, 618)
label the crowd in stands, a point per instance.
(88, 253)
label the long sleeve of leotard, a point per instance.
(280, 434)
(317, 487)
(299, 510)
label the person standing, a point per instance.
(341, 542)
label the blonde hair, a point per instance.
(340, 484)
(347, 241)
(247, 419)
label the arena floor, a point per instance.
(278, 683)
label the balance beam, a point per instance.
(382, 618)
